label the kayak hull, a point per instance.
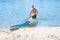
(24, 24)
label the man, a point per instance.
(33, 12)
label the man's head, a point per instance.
(32, 6)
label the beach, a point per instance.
(37, 33)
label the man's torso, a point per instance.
(33, 11)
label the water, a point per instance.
(14, 11)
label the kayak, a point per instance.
(27, 23)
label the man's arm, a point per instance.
(36, 12)
(30, 13)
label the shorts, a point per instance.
(34, 16)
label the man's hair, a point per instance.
(32, 5)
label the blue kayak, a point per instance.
(26, 23)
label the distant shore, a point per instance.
(38, 33)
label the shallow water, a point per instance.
(14, 11)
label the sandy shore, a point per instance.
(38, 33)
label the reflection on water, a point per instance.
(14, 11)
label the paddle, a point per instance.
(26, 19)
